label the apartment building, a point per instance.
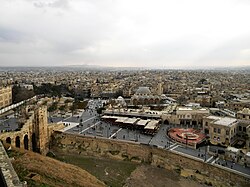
(5, 96)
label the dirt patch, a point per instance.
(112, 172)
(39, 170)
(149, 176)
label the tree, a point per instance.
(21, 94)
(99, 110)
(53, 107)
(62, 108)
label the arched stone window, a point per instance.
(18, 141)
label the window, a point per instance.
(206, 124)
(227, 132)
(240, 128)
(215, 130)
(244, 129)
(218, 131)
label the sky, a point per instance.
(125, 33)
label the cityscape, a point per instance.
(124, 93)
(203, 115)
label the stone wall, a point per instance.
(76, 144)
(34, 134)
(17, 138)
(8, 175)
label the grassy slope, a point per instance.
(112, 172)
(39, 170)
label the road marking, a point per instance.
(115, 133)
(89, 127)
(209, 159)
(150, 141)
(172, 145)
(70, 127)
(215, 160)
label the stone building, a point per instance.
(220, 130)
(238, 104)
(5, 96)
(186, 116)
(243, 117)
(244, 114)
(143, 96)
(35, 131)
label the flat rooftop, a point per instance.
(226, 121)
(152, 124)
(131, 120)
(142, 122)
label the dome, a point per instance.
(120, 98)
(143, 91)
(163, 96)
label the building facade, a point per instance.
(5, 96)
(220, 130)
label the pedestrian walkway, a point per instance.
(174, 146)
(209, 159)
(215, 160)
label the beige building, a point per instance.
(5, 96)
(186, 116)
(221, 130)
(143, 96)
(244, 125)
(244, 114)
(191, 116)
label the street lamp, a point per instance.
(205, 157)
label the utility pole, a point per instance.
(186, 140)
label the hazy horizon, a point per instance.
(133, 33)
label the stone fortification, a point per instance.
(114, 149)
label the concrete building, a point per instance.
(220, 130)
(5, 96)
(243, 117)
(232, 153)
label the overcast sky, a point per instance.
(133, 33)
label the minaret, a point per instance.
(159, 88)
